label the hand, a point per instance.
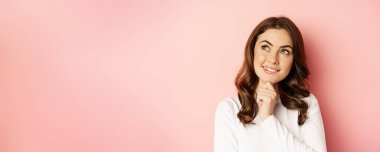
(266, 97)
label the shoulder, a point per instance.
(228, 106)
(311, 100)
(313, 104)
(226, 111)
(229, 103)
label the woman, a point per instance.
(274, 110)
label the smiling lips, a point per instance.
(270, 70)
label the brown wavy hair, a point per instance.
(291, 90)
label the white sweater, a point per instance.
(277, 133)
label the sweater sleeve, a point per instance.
(312, 130)
(225, 139)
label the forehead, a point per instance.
(277, 37)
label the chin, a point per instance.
(273, 81)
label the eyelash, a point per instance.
(287, 52)
(265, 47)
(283, 51)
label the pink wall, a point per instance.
(101, 75)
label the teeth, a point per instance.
(270, 69)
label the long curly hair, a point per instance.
(291, 90)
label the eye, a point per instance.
(265, 47)
(285, 52)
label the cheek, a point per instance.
(287, 64)
(256, 61)
(258, 58)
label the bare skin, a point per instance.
(273, 58)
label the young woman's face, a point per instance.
(273, 55)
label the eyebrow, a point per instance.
(272, 44)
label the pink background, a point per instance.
(111, 75)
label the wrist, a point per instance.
(263, 116)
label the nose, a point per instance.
(272, 57)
